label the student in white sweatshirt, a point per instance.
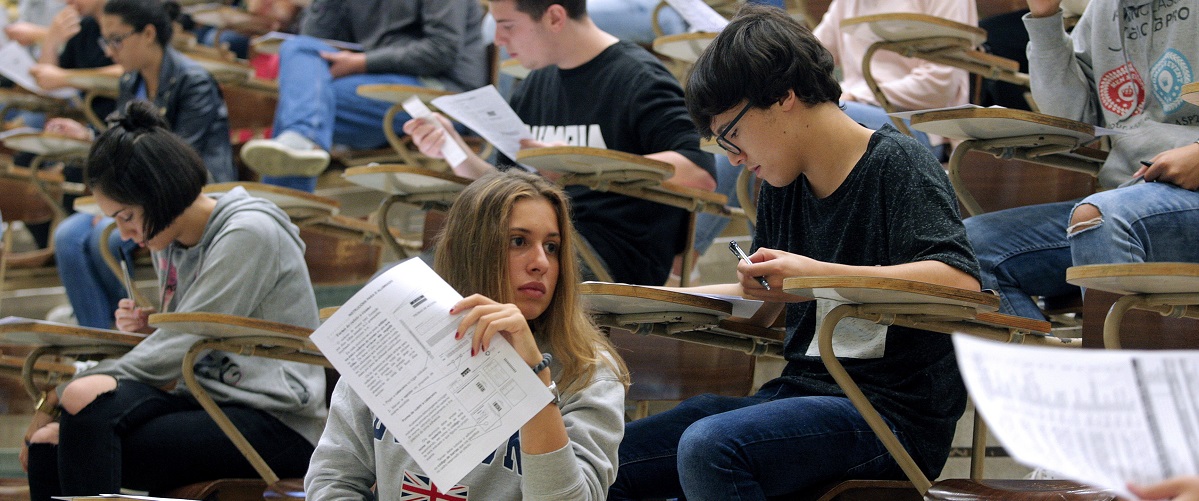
(130, 422)
(508, 246)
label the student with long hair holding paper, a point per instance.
(507, 245)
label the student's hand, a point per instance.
(428, 137)
(68, 128)
(42, 423)
(344, 63)
(775, 265)
(1044, 8)
(1181, 488)
(64, 26)
(1179, 166)
(533, 143)
(490, 318)
(25, 33)
(131, 318)
(48, 76)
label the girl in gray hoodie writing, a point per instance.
(128, 422)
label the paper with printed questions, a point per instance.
(1102, 417)
(393, 343)
(486, 113)
(699, 15)
(450, 150)
(15, 63)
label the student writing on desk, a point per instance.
(507, 245)
(129, 422)
(624, 99)
(839, 199)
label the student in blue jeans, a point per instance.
(838, 199)
(435, 44)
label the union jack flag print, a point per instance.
(419, 488)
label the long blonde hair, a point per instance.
(476, 231)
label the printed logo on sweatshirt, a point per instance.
(419, 488)
(1122, 91)
(573, 135)
(1170, 73)
(222, 369)
(511, 454)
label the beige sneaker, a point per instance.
(289, 154)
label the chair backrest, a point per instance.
(23, 202)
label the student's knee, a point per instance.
(45, 435)
(81, 392)
(1083, 217)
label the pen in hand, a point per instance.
(736, 250)
(128, 280)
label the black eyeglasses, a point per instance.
(723, 142)
(113, 43)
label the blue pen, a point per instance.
(736, 250)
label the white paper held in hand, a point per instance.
(450, 150)
(393, 342)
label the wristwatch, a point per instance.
(553, 388)
(44, 405)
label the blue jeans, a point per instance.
(874, 117)
(143, 438)
(631, 19)
(709, 226)
(1142, 223)
(325, 110)
(729, 448)
(90, 285)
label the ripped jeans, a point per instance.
(143, 438)
(1025, 251)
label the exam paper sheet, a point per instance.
(1104, 418)
(15, 63)
(699, 15)
(489, 115)
(393, 342)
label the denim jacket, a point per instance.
(191, 102)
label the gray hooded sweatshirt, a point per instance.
(249, 262)
(1122, 67)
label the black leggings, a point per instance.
(143, 438)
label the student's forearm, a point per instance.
(473, 168)
(686, 172)
(546, 432)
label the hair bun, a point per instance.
(138, 115)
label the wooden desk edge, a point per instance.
(650, 293)
(1007, 113)
(982, 299)
(234, 320)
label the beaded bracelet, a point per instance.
(545, 362)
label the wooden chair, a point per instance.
(931, 38)
(630, 175)
(678, 345)
(46, 338)
(933, 308)
(432, 191)
(34, 196)
(247, 336)
(396, 94)
(1169, 289)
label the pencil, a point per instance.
(128, 280)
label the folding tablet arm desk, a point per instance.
(1011, 134)
(678, 315)
(933, 39)
(1170, 289)
(916, 305)
(245, 336)
(406, 184)
(630, 175)
(55, 339)
(396, 94)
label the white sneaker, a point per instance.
(63, 314)
(288, 154)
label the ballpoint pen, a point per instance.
(736, 250)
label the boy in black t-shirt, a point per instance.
(588, 88)
(839, 199)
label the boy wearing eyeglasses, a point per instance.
(839, 199)
(588, 88)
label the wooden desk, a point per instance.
(51, 338)
(687, 317)
(1015, 134)
(514, 69)
(300, 206)
(94, 83)
(226, 70)
(1190, 93)
(406, 184)
(630, 175)
(224, 17)
(916, 305)
(933, 39)
(245, 336)
(684, 47)
(1170, 289)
